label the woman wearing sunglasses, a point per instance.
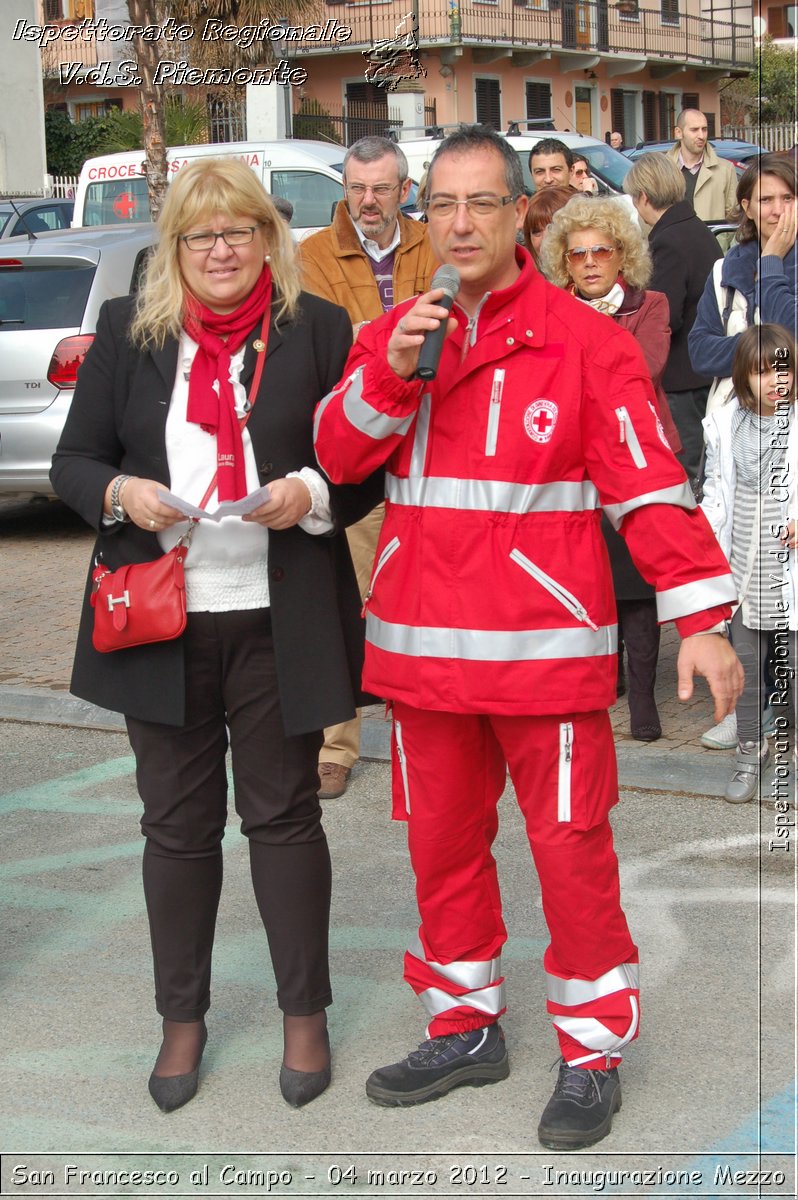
(595, 249)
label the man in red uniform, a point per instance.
(491, 626)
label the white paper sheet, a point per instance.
(227, 508)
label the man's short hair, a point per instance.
(657, 176)
(682, 117)
(475, 137)
(371, 149)
(284, 207)
(551, 146)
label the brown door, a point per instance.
(584, 110)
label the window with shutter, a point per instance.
(538, 101)
(488, 102)
(669, 12)
(650, 116)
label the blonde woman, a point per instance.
(271, 652)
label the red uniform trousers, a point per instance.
(448, 774)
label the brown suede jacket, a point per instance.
(335, 266)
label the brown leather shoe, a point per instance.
(333, 780)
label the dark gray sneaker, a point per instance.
(581, 1108)
(471, 1059)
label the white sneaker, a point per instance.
(722, 736)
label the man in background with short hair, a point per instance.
(710, 181)
(370, 258)
(550, 163)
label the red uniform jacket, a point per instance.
(491, 590)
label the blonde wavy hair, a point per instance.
(613, 221)
(199, 191)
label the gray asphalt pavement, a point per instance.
(709, 889)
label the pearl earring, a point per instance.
(267, 258)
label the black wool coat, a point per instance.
(683, 250)
(117, 424)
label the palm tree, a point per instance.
(152, 96)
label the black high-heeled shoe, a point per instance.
(173, 1091)
(300, 1087)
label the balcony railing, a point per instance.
(592, 26)
(78, 50)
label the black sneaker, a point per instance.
(470, 1059)
(581, 1108)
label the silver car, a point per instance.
(18, 216)
(51, 290)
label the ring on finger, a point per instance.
(152, 523)
(402, 328)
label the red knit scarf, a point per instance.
(218, 336)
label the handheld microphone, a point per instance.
(448, 278)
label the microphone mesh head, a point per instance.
(448, 278)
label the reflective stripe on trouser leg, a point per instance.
(455, 775)
(595, 1018)
(456, 991)
(591, 962)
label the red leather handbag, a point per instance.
(140, 602)
(146, 602)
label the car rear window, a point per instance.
(36, 295)
(5, 217)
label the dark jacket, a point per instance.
(768, 284)
(117, 423)
(683, 251)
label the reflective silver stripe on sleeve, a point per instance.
(418, 456)
(681, 495)
(570, 992)
(487, 1000)
(491, 495)
(319, 414)
(490, 645)
(694, 597)
(473, 975)
(363, 417)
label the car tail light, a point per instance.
(67, 357)
(10, 264)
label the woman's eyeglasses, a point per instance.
(597, 253)
(230, 237)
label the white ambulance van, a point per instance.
(112, 189)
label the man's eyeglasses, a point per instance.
(230, 237)
(478, 206)
(597, 253)
(380, 191)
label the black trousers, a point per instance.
(688, 410)
(231, 684)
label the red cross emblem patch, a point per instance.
(540, 419)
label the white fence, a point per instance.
(62, 186)
(769, 137)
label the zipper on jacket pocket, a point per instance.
(555, 589)
(388, 551)
(400, 754)
(564, 771)
(628, 435)
(494, 411)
